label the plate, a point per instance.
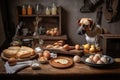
(111, 61)
(24, 59)
(59, 65)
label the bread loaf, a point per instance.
(9, 53)
(18, 52)
(25, 52)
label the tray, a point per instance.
(59, 65)
(63, 51)
(24, 59)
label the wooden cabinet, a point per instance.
(48, 22)
(110, 44)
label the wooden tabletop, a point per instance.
(78, 70)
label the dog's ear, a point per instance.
(91, 24)
(78, 21)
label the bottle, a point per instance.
(29, 10)
(54, 9)
(37, 44)
(47, 11)
(36, 37)
(23, 10)
(37, 9)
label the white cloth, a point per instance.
(18, 66)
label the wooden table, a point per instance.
(78, 71)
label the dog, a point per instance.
(91, 30)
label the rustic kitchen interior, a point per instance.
(60, 39)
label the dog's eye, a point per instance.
(85, 26)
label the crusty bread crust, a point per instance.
(14, 47)
(18, 52)
(25, 52)
(9, 53)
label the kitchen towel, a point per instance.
(18, 66)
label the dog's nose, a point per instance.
(80, 31)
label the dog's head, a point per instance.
(85, 24)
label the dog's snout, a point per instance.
(81, 30)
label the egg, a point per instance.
(91, 56)
(52, 33)
(99, 62)
(12, 61)
(77, 46)
(104, 59)
(48, 32)
(88, 60)
(76, 58)
(40, 54)
(95, 59)
(46, 54)
(99, 55)
(55, 29)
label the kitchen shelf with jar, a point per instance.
(48, 22)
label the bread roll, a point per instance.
(14, 47)
(9, 53)
(25, 52)
(12, 61)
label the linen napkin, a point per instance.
(18, 66)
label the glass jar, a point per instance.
(47, 11)
(23, 10)
(37, 9)
(29, 10)
(54, 9)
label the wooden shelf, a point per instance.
(48, 22)
(45, 37)
(34, 15)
